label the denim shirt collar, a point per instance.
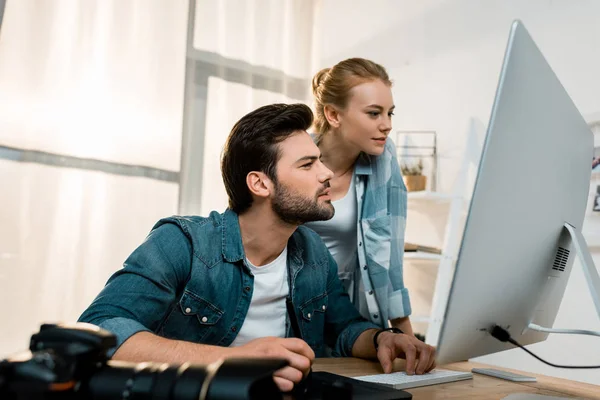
(363, 165)
(233, 248)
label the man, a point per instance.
(200, 289)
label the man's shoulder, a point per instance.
(204, 235)
(196, 229)
(192, 223)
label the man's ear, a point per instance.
(332, 115)
(259, 184)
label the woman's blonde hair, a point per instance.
(332, 85)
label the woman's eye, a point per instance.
(373, 113)
(391, 114)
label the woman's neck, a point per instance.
(337, 154)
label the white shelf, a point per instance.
(420, 318)
(435, 220)
(421, 255)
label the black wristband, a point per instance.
(393, 330)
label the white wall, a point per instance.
(444, 57)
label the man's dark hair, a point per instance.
(252, 145)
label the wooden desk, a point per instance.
(480, 387)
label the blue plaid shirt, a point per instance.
(381, 196)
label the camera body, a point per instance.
(69, 361)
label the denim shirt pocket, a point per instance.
(378, 239)
(193, 319)
(313, 320)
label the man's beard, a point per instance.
(295, 209)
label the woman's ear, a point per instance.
(259, 184)
(332, 115)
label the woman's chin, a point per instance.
(374, 150)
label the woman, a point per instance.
(354, 109)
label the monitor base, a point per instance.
(509, 376)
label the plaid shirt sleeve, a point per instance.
(398, 298)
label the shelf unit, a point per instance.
(419, 145)
(434, 219)
(421, 255)
(427, 195)
(439, 216)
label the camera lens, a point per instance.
(146, 381)
(229, 380)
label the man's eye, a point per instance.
(306, 165)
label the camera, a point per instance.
(69, 361)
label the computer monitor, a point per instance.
(523, 228)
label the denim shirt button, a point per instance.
(233, 329)
(188, 310)
(204, 319)
(375, 316)
(308, 315)
(324, 307)
(247, 288)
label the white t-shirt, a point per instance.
(267, 313)
(339, 235)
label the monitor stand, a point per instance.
(508, 376)
(532, 396)
(589, 269)
(591, 276)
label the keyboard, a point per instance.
(399, 380)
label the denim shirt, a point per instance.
(188, 281)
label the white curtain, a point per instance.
(91, 95)
(94, 97)
(241, 55)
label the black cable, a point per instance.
(502, 335)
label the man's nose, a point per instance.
(326, 174)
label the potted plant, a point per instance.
(413, 176)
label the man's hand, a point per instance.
(297, 352)
(403, 324)
(420, 357)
